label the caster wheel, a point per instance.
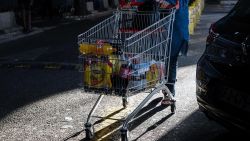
(124, 102)
(89, 131)
(173, 108)
(124, 137)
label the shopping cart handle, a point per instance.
(134, 3)
(176, 6)
(130, 4)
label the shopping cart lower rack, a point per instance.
(126, 54)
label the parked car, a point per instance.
(223, 71)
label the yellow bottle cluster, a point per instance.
(95, 49)
(98, 74)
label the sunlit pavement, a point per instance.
(48, 105)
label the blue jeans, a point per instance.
(172, 74)
(174, 65)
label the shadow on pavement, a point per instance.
(112, 131)
(22, 87)
(155, 125)
(57, 45)
(197, 127)
(108, 116)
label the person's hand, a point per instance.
(163, 3)
(127, 6)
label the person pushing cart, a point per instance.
(180, 40)
(180, 36)
(130, 53)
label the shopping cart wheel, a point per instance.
(124, 135)
(173, 107)
(124, 138)
(124, 102)
(89, 131)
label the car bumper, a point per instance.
(219, 99)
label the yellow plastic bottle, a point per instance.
(108, 72)
(105, 49)
(155, 74)
(149, 77)
(97, 75)
(87, 76)
(86, 48)
(115, 63)
(152, 75)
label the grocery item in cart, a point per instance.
(138, 74)
(116, 63)
(103, 48)
(137, 82)
(87, 74)
(152, 75)
(120, 81)
(125, 71)
(86, 48)
(97, 73)
(99, 48)
(141, 68)
(161, 66)
(108, 73)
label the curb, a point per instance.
(195, 11)
(40, 66)
(93, 15)
(228, 2)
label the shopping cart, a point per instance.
(127, 54)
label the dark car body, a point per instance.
(223, 71)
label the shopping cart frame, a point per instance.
(160, 87)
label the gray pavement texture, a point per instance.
(57, 44)
(44, 105)
(41, 25)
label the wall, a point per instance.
(7, 20)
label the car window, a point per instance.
(241, 12)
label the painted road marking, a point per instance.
(39, 65)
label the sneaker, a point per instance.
(166, 101)
(166, 98)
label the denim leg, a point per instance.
(172, 74)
